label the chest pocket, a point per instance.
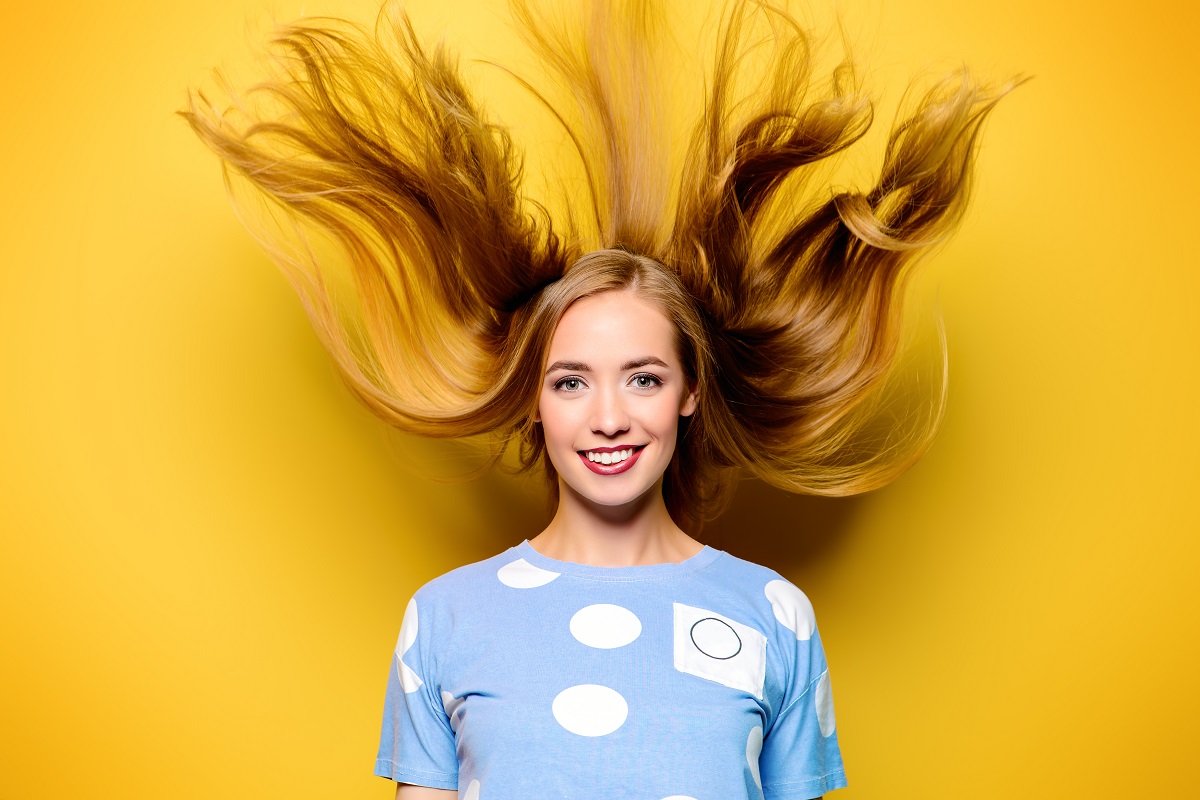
(718, 649)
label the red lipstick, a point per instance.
(611, 469)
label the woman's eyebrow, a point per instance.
(579, 366)
(641, 362)
(571, 366)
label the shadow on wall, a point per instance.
(773, 527)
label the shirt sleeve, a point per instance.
(416, 744)
(800, 754)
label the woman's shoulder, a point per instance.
(776, 598)
(469, 578)
(732, 568)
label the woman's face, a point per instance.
(611, 397)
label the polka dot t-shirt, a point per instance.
(524, 677)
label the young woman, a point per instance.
(675, 334)
(612, 655)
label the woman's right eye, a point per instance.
(569, 384)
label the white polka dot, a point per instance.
(823, 699)
(409, 680)
(452, 706)
(520, 574)
(605, 626)
(716, 638)
(753, 751)
(408, 628)
(472, 792)
(791, 608)
(590, 709)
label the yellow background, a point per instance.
(207, 546)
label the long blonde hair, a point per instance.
(458, 279)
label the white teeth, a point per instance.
(613, 457)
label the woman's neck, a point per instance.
(634, 534)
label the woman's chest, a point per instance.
(626, 691)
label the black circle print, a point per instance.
(718, 637)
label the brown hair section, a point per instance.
(787, 297)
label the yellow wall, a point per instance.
(207, 546)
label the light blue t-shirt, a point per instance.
(526, 678)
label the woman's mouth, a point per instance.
(611, 461)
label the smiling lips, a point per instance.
(611, 460)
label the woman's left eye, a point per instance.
(646, 381)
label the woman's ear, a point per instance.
(688, 406)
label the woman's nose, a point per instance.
(609, 415)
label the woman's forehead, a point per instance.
(612, 328)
